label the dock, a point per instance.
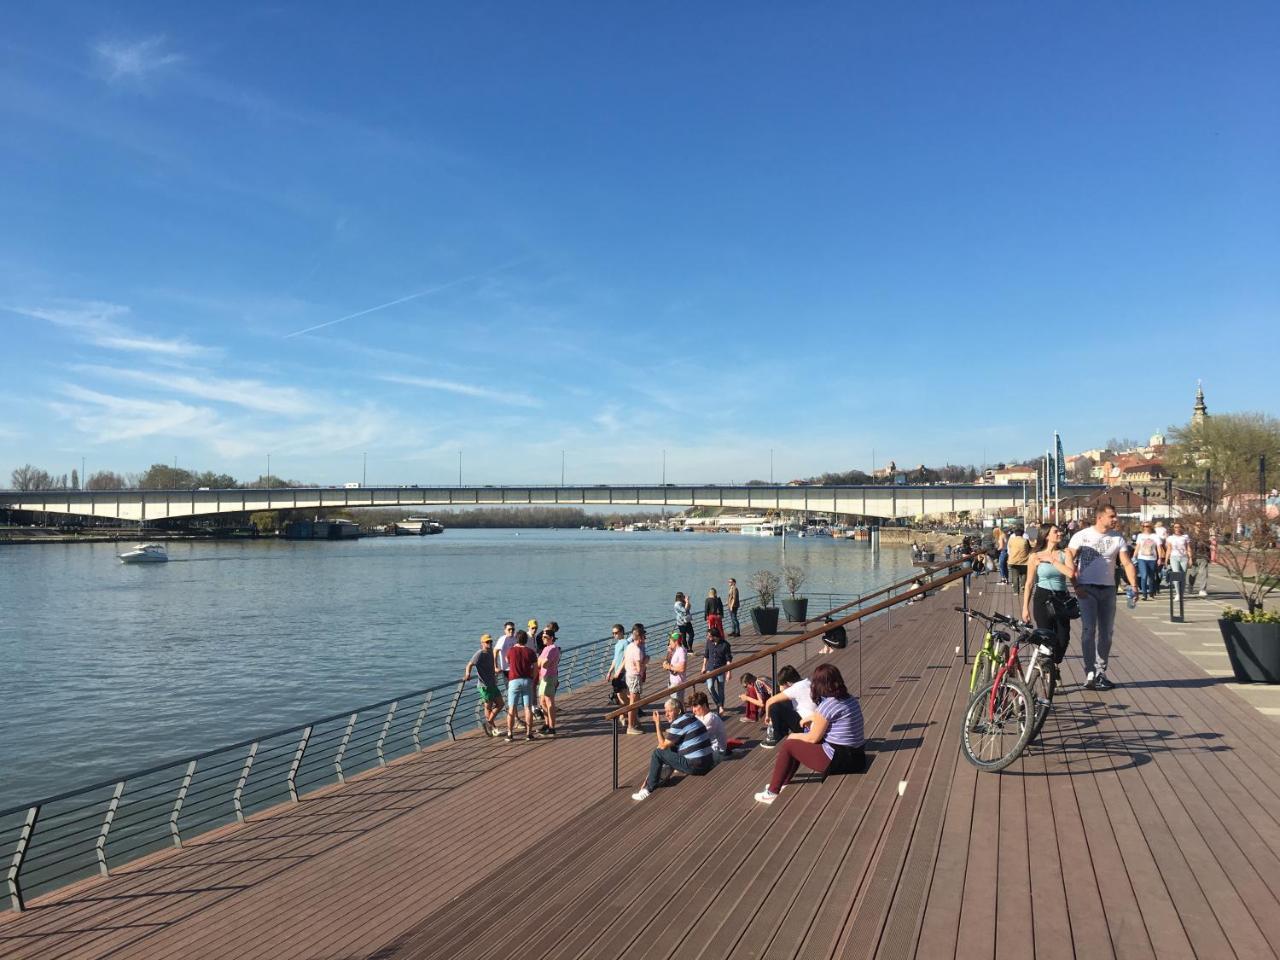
(1145, 822)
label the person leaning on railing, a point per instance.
(834, 743)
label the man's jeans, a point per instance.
(1097, 621)
(672, 759)
(731, 618)
(1200, 574)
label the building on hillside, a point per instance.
(1003, 476)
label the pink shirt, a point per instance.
(677, 658)
(549, 661)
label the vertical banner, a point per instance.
(1062, 463)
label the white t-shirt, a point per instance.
(500, 648)
(1162, 533)
(677, 659)
(1147, 547)
(1096, 555)
(715, 727)
(1177, 544)
(799, 694)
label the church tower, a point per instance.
(1200, 412)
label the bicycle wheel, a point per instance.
(1044, 681)
(996, 730)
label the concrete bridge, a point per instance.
(882, 502)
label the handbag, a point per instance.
(1065, 605)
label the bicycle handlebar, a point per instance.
(996, 618)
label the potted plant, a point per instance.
(796, 608)
(1249, 551)
(764, 614)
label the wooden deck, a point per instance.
(1145, 824)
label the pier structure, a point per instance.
(1142, 823)
(869, 501)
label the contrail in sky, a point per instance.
(413, 296)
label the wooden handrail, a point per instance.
(666, 692)
(924, 571)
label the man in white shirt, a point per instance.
(790, 709)
(500, 649)
(1094, 551)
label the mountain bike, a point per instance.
(1008, 710)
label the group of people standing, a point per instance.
(532, 669)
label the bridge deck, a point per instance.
(1145, 824)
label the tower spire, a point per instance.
(1200, 412)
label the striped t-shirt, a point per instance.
(844, 719)
(691, 738)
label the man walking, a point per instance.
(1018, 548)
(686, 747)
(1094, 551)
(521, 663)
(731, 609)
(482, 662)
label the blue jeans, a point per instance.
(1147, 577)
(1097, 621)
(731, 622)
(715, 687)
(1004, 564)
(672, 759)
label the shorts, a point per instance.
(547, 686)
(489, 693)
(519, 691)
(635, 684)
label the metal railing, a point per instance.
(960, 571)
(88, 831)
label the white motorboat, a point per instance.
(145, 553)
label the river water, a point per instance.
(108, 667)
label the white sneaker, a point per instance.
(1204, 593)
(641, 794)
(766, 796)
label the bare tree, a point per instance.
(27, 477)
(105, 480)
(1248, 548)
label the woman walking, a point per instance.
(1045, 596)
(713, 611)
(835, 741)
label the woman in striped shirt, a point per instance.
(835, 741)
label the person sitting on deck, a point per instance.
(835, 742)
(686, 747)
(754, 697)
(722, 745)
(790, 709)
(834, 639)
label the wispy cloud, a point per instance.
(134, 60)
(107, 418)
(413, 296)
(99, 323)
(463, 389)
(246, 393)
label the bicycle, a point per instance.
(1007, 710)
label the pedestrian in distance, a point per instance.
(1045, 596)
(521, 665)
(616, 674)
(684, 619)
(789, 710)
(713, 611)
(482, 663)
(686, 747)
(1146, 551)
(675, 663)
(634, 660)
(1002, 555)
(549, 679)
(717, 654)
(1179, 555)
(733, 602)
(835, 741)
(1094, 551)
(1018, 549)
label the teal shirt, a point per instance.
(1049, 577)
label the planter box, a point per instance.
(796, 608)
(1254, 650)
(765, 619)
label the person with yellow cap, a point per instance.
(486, 683)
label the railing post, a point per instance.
(615, 752)
(244, 778)
(422, 716)
(101, 845)
(177, 804)
(453, 708)
(774, 680)
(573, 661)
(386, 725)
(964, 618)
(297, 762)
(19, 854)
(342, 747)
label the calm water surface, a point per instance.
(108, 667)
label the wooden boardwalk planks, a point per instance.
(1144, 823)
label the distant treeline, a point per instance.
(158, 476)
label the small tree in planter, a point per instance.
(1252, 559)
(796, 608)
(764, 614)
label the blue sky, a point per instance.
(934, 231)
